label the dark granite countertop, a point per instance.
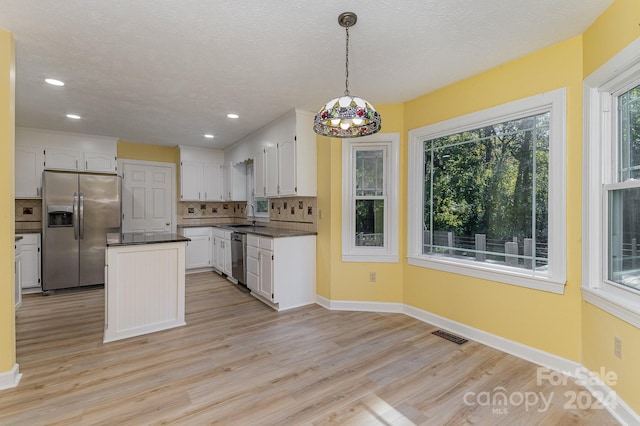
(265, 231)
(132, 238)
(28, 231)
(18, 238)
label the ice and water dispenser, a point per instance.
(60, 216)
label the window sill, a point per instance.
(371, 258)
(625, 308)
(477, 271)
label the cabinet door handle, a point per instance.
(86, 165)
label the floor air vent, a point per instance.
(450, 337)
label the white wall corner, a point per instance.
(10, 379)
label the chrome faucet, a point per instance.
(253, 209)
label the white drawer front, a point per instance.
(266, 243)
(195, 232)
(29, 239)
(253, 240)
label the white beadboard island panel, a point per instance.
(144, 289)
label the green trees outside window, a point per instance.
(486, 193)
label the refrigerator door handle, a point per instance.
(81, 208)
(75, 216)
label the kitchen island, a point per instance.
(144, 283)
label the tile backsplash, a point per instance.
(298, 213)
(28, 214)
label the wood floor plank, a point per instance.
(239, 362)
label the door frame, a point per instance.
(172, 166)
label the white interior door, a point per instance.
(147, 198)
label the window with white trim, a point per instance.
(257, 207)
(487, 192)
(370, 198)
(611, 198)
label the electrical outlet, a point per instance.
(372, 277)
(617, 347)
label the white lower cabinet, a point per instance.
(282, 271)
(198, 250)
(253, 265)
(222, 251)
(30, 265)
(265, 262)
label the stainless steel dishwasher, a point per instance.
(238, 257)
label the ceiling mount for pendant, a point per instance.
(347, 116)
(347, 19)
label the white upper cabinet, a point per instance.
(235, 182)
(62, 159)
(200, 174)
(191, 180)
(84, 161)
(271, 171)
(259, 185)
(284, 155)
(104, 162)
(29, 166)
(38, 150)
(213, 181)
(287, 168)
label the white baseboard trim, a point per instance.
(528, 353)
(590, 381)
(10, 379)
(619, 409)
(198, 270)
(348, 305)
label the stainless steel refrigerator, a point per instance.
(78, 210)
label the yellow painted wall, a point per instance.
(338, 280)
(7, 210)
(618, 26)
(539, 319)
(146, 152)
(614, 30)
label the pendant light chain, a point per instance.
(346, 66)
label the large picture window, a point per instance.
(486, 194)
(484, 185)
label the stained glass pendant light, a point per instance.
(347, 116)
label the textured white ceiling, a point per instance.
(166, 71)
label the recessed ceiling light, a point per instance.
(54, 82)
(74, 116)
(233, 115)
(208, 136)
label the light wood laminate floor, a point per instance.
(238, 362)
